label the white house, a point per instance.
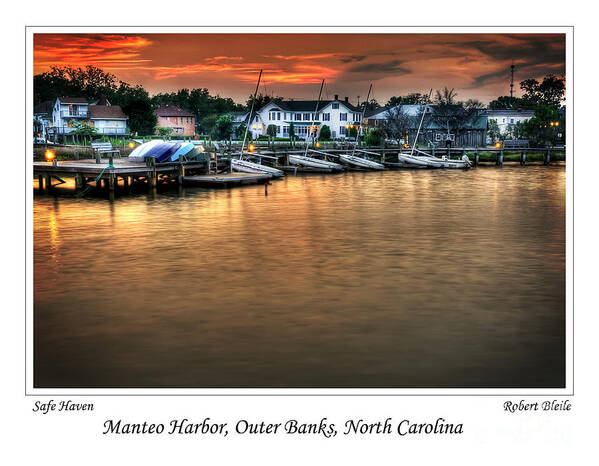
(336, 114)
(107, 119)
(507, 118)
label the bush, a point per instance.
(325, 133)
(374, 137)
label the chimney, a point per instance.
(336, 96)
(347, 99)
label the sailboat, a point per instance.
(312, 162)
(242, 165)
(427, 160)
(353, 159)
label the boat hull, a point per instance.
(360, 162)
(433, 162)
(314, 163)
(245, 166)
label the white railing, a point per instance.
(73, 113)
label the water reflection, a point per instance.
(395, 279)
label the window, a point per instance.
(306, 117)
(511, 120)
(334, 134)
(326, 117)
(168, 118)
(503, 120)
(316, 116)
(285, 130)
(298, 117)
(342, 130)
(356, 117)
(343, 116)
(278, 115)
(278, 130)
(335, 106)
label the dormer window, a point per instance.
(335, 106)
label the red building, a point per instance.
(171, 116)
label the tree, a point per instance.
(506, 102)
(164, 131)
(445, 96)
(549, 92)
(208, 123)
(292, 134)
(399, 122)
(271, 130)
(541, 130)
(325, 133)
(261, 100)
(493, 130)
(352, 131)
(81, 129)
(454, 115)
(223, 127)
(240, 131)
(414, 98)
(142, 119)
(374, 137)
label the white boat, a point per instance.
(427, 160)
(314, 163)
(360, 162)
(245, 166)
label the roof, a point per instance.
(108, 112)
(43, 107)
(172, 110)
(73, 100)
(407, 109)
(308, 105)
(511, 112)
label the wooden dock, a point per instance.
(106, 174)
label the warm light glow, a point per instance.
(551, 123)
(131, 145)
(317, 144)
(251, 147)
(557, 123)
(498, 145)
(49, 155)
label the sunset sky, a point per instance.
(476, 65)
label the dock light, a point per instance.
(498, 145)
(551, 123)
(49, 155)
(251, 147)
(131, 145)
(317, 144)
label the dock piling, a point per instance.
(40, 181)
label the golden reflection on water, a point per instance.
(396, 279)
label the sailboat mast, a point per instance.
(362, 119)
(420, 125)
(250, 115)
(314, 117)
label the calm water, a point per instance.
(395, 279)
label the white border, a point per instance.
(568, 390)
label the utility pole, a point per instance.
(512, 81)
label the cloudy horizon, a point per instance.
(476, 65)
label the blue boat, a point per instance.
(185, 149)
(162, 152)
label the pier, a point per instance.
(215, 171)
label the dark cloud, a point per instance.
(352, 58)
(392, 66)
(543, 53)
